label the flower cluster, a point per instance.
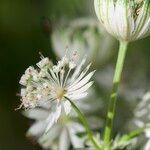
(50, 85)
(127, 20)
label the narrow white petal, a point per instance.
(67, 107)
(64, 140)
(53, 117)
(82, 74)
(58, 112)
(82, 82)
(51, 121)
(78, 70)
(82, 89)
(53, 75)
(78, 96)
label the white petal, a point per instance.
(37, 129)
(37, 114)
(58, 112)
(50, 121)
(78, 70)
(82, 89)
(77, 96)
(53, 117)
(47, 140)
(72, 83)
(53, 75)
(82, 82)
(147, 145)
(64, 141)
(76, 141)
(67, 107)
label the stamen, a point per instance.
(41, 55)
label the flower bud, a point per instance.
(127, 20)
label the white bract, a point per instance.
(127, 20)
(142, 115)
(50, 85)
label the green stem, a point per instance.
(86, 125)
(113, 96)
(135, 133)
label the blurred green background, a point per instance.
(25, 27)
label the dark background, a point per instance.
(25, 26)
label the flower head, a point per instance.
(50, 85)
(127, 20)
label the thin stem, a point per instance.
(133, 134)
(86, 125)
(113, 96)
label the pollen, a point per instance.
(60, 92)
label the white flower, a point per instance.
(84, 36)
(67, 131)
(61, 136)
(142, 117)
(127, 20)
(51, 84)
